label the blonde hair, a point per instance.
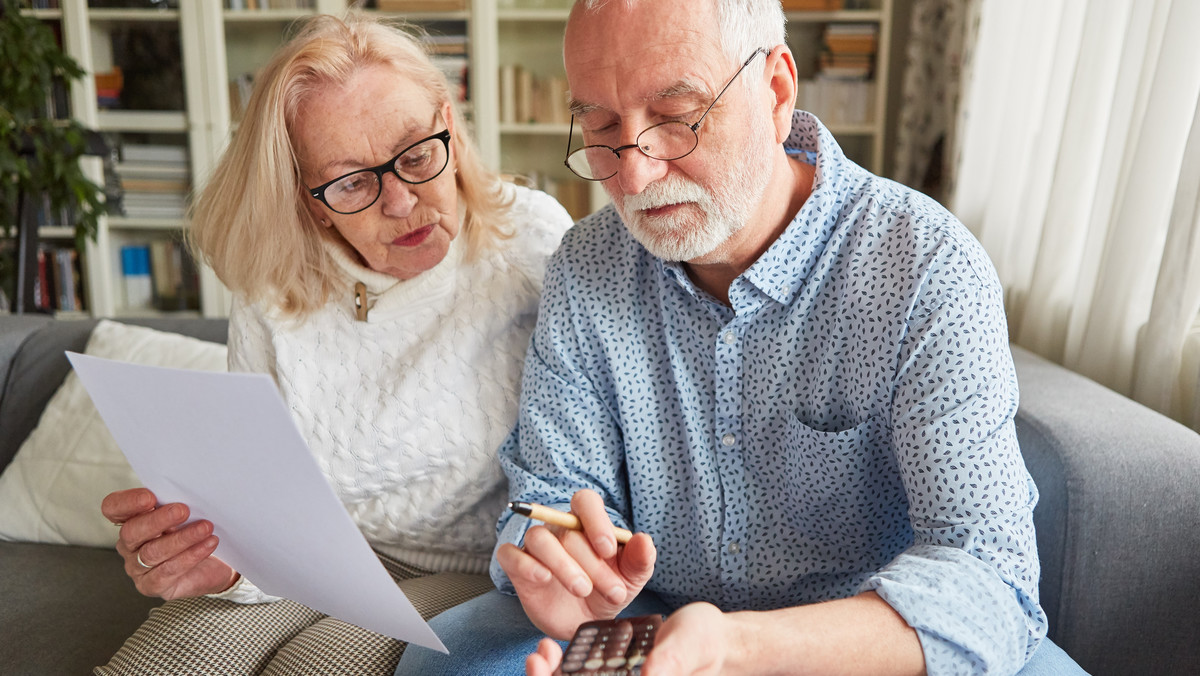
(251, 223)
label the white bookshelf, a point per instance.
(863, 139)
(218, 43)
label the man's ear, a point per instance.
(781, 79)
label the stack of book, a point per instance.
(159, 275)
(154, 180)
(449, 54)
(843, 90)
(58, 286)
(108, 88)
(527, 98)
(573, 193)
(849, 50)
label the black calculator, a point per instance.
(610, 647)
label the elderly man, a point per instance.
(789, 375)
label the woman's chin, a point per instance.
(405, 263)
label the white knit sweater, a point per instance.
(404, 411)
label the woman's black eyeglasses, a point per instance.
(419, 163)
(666, 141)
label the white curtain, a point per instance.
(1078, 167)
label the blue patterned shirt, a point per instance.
(846, 425)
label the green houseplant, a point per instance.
(39, 155)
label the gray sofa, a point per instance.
(1118, 522)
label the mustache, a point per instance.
(666, 191)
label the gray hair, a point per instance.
(744, 25)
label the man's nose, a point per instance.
(636, 170)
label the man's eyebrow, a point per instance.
(684, 88)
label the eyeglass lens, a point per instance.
(418, 164)
(665, 141)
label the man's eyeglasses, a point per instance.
(665, 141)
(419, 163)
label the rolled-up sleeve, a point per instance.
(968, 585)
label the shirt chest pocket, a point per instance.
(841, 482)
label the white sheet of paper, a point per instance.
(226, 445)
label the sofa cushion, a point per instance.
(52, 490)
(32, 350)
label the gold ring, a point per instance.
(142, 563)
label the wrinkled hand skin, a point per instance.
(180, 556)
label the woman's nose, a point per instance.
(398, 197)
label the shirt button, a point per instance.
(734, 548)
(729, 338)
(728, 439)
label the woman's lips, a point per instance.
(414, 238)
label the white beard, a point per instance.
(711, 217)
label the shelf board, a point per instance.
(864, 129)
(838, 16)
(126, 313)
(114, 15)
(43, 14)
(421, 17)
(149, 224)
(520, 14)
(535, 129)
(265, 15)
(56, 232)
(142, 120)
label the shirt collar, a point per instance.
(781, 270)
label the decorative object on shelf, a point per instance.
(39, 155)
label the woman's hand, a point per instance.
(163, 557)
(565, 577)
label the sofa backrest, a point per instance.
(33, 364)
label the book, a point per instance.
(135, 276)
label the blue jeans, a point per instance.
(490, 636)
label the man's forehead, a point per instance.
(684, 88)
(606, 80)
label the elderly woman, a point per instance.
(389, 284)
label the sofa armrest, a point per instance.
(1118, 522)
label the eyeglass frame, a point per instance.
(318, 192)
(693, 127)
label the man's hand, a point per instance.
(694, 641)
(566, 577)
(163, 557)
(856, 636)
